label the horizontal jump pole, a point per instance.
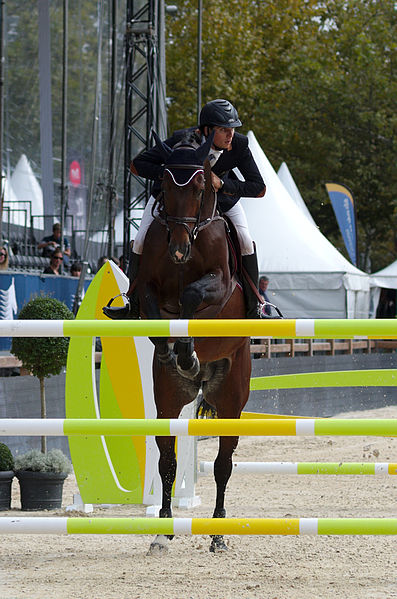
(381, 377)
(200, 526)
(305, 468)
(196, 427)
(288, 328)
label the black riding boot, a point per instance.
(131, 310)
(250, 264)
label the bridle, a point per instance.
(166, 219)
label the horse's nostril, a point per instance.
(178, 255)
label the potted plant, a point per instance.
(42, 356)
(40, 474)
(41, 477)
(6, 476)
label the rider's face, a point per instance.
(223, 137)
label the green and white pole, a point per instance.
(277, 329)
(200, 526)
(181, 427)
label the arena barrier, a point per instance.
(288, 328)
(195, 427)
(200, 526)
(355, 468)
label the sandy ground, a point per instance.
(277, 567)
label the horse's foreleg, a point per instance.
(151, 309)
(204, 290)
(208, 289)
(167, 471)
(222, 472)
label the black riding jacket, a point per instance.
(150, 165)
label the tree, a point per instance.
(316, 82)
(43, 356)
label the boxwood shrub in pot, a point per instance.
(42, 356)
(6, 476)
(41, 477)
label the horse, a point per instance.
(185, 273)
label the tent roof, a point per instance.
(387, 277)
(287, 242)
(287, 180)
(26, 187)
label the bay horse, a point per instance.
(184, 273)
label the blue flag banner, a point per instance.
(343, 204)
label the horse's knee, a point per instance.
(192, 297)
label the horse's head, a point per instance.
(183, 194)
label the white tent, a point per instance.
(10, 200)
(290, 185)
(309, 278)
(386, 279)
(28, 192)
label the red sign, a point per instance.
(75, 173)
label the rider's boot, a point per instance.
(131, 310)
(250, 265)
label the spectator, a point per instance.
(75, 269)
(104, 259)
(101, 262)
(263, 285)
(55, 263)
(52, 242)
(121, 262)
(3, 258)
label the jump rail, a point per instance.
(200, 526)
(305, 468)
(182, 427)
(293, 328)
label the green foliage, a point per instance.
(36, 461)
(316, 83)
(6, 459)
(43, 356)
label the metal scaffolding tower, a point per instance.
(144, 100)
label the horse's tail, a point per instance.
(205, 410)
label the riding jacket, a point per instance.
(150, 165)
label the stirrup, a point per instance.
(262, 313)
(110, 302)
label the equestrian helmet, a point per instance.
(219, 113)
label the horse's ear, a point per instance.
(161, 146)
(203, 151)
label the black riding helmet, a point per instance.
(219, 113)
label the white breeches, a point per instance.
(236, 215)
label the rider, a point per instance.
(229, 150)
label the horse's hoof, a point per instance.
(159, 546)
(218, 544)
(193, 371)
